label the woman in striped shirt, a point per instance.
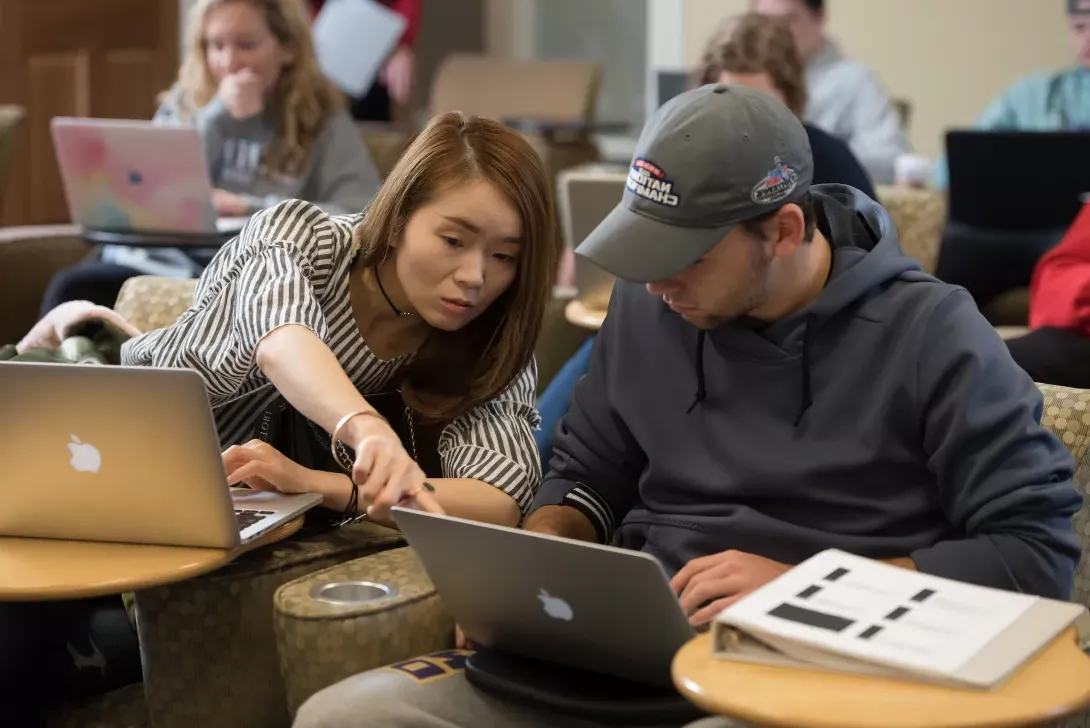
(439, 289)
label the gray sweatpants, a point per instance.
(430, 692)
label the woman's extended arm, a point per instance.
(308, 375)
(306, 372)
(261, 466)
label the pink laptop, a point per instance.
(135, 176)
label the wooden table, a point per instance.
(579, 315)
(1054, 684)
(35, 569)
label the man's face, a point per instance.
(1079, 23)
(806, 26)
(729, 282)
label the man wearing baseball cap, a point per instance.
(774, 378)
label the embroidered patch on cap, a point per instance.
(647, 180)
(776, 185)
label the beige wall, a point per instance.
(936, 53)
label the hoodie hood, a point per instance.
(865, 256)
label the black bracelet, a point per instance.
(350, 515)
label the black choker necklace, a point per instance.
(378, 279)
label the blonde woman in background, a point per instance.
(273, 127)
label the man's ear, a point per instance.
(788, 230)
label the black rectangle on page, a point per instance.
(809, 591)
(836, 574)
(923, 595)
(897, 614)
(869, 632)
(811, 618)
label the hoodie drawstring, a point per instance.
(701, 393)
(807, 398)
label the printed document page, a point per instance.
(879, 613)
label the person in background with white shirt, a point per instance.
(846, 98)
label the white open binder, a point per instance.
(837, 611)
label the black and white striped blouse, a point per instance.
(290, 265)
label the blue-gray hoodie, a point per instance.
(886, 419)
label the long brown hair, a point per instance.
(456, 370)
(754, 43)
(303, 94)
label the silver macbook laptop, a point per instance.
(588, 606)
(587, 195)
(122, 454)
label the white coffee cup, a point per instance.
(912, 170)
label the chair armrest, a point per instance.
(29, 256)
(385, 144)
(557, 343)
(322, 642)
(919, 216)
(1008, 309)
(153, 302)
(207, 644)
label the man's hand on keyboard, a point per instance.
(262, 467)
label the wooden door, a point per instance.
(100, 58)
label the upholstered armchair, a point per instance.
(29, 256)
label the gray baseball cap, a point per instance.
(708, 159)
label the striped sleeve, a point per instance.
(273, 274)
(494, 442)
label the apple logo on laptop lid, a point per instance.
(555, 607)
(85, 457)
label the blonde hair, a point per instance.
(304, 96)
(456, 370)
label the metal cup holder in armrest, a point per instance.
(356, 616)
(352, 592)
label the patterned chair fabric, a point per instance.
(1067, 413)
(919, 216)
(151, 302)
(208, 645)
(321, 642)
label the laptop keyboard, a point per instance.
(247, 518)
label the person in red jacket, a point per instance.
(395, 80)
(1057, 349)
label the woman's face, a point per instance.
(459, 253)
(237, 38)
